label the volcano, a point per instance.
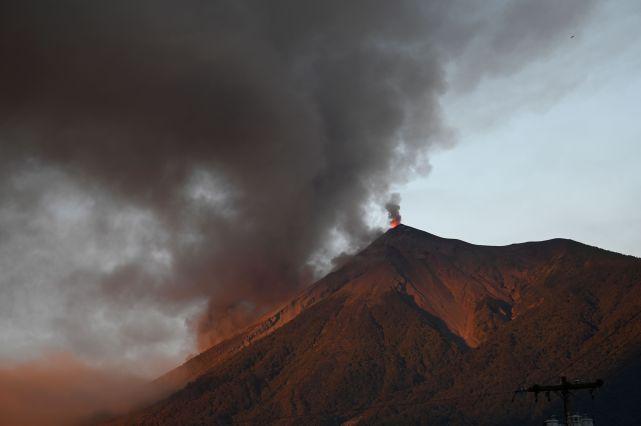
(418, 329)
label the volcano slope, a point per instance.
(418, 329)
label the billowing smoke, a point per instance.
(217, 146)
(393, 207)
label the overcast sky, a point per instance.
(153, 203)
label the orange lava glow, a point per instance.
(394, 223)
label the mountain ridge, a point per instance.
(415, 313)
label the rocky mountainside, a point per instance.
(418, 329)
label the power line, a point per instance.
(564, 388)
(599, 343)
(433, 400)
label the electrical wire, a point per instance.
(259, 419)
(596, 345)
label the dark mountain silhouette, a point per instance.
(418, 329)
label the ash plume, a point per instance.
(216, 144)
(393, 207)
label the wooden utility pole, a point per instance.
(564, 390)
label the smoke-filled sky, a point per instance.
(172, 169)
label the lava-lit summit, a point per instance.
(393, 208)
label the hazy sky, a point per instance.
(170, 193)
(552, 151)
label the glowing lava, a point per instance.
(394, 222)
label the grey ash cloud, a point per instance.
(393, 207)
(207, 150)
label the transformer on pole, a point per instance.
(564, 390)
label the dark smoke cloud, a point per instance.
(247, 132)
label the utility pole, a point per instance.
(564, 390)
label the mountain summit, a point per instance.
(421, 329)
